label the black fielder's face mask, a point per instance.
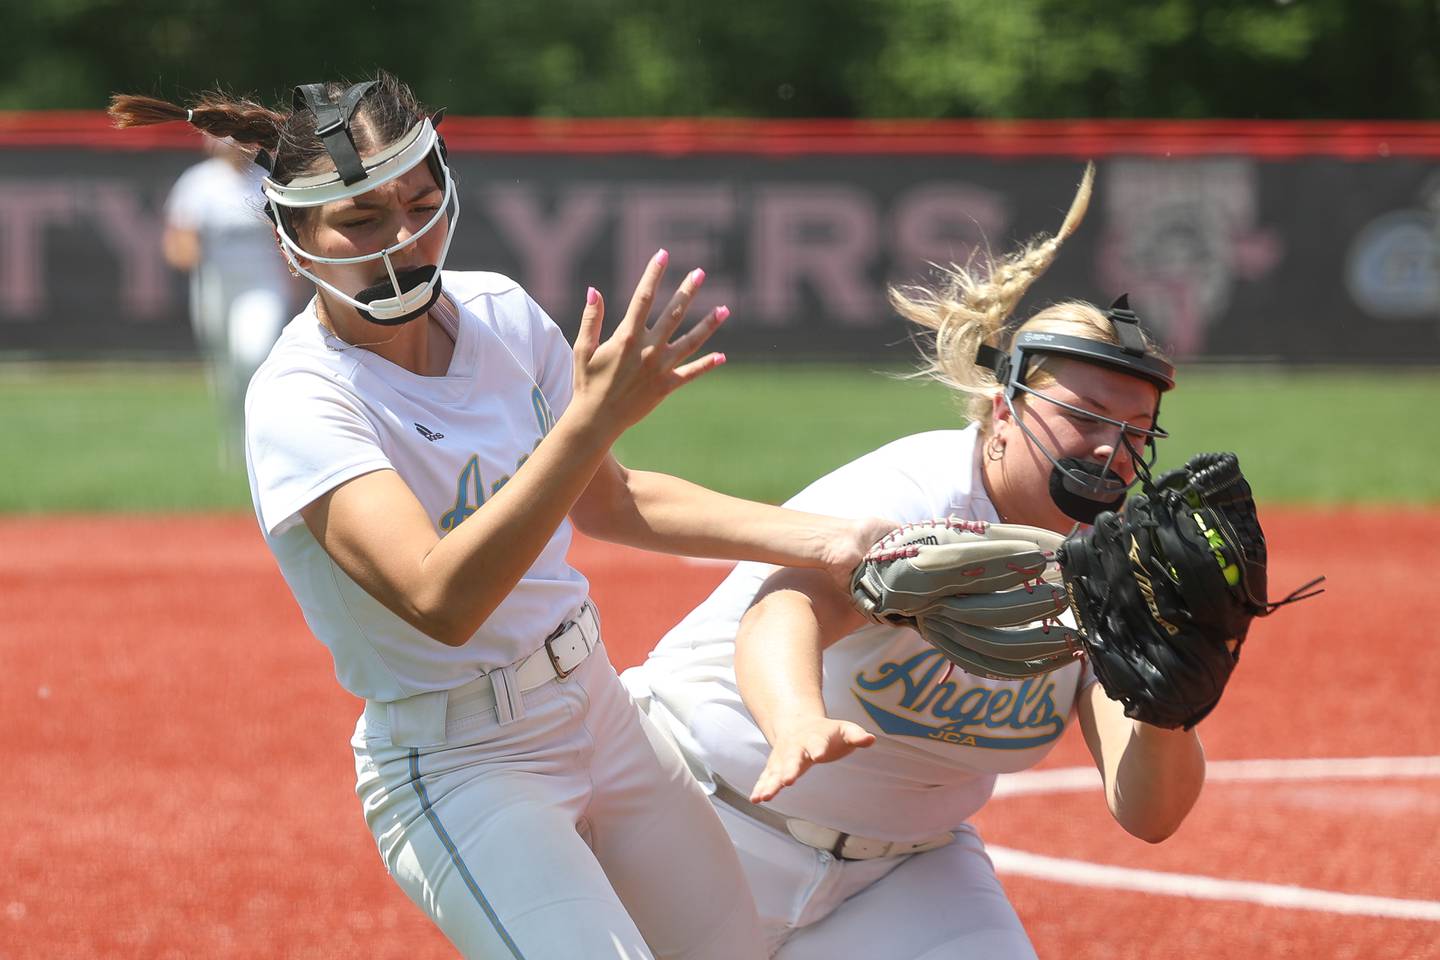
(1082, 488)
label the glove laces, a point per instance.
(1295, 596)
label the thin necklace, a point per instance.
(324, 317)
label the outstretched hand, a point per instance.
(801, 746)
(618, 382)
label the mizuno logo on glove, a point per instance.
(1147, 589)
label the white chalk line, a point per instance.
(1074, 779)
(1083, 873)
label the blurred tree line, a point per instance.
(760, 58)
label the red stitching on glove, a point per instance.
(949, 523)
(894, 553)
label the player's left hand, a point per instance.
(799, 747)
(618, 382)
(850, 547)
(1165, 590)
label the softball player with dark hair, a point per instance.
(418, 442)
(776, 677)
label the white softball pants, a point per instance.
(561, 835)
(945, 903)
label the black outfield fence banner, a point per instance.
(1281, 242)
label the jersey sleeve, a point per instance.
(304, 437)
(185, 206)
(874, 485)
(553, 358)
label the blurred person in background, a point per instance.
(419, 441)
(240, 294)
(845, 757)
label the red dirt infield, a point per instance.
(178, 776)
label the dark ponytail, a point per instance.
(243, 121)
(284, 136)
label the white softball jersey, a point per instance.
(320, 412)
(224, 206)
(237, 244)
(943, 735)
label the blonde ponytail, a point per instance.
(973, 307)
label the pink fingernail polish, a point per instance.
(719, 359)
(591, 296)
(721, 313)
(663, 257)
(697, 276)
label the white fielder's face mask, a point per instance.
(403, 294)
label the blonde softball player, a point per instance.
(845, 758)
(416, 441)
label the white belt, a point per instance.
(846, 846)
(419, 721)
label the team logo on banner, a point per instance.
(1392, 270)
(1180, 236)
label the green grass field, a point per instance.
(146, 437)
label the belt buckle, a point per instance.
(560, 673)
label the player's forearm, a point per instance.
(181, 247)
(471, 570)
(656, 511)
(1156, 781)
(777, 661)
(1152, 776)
